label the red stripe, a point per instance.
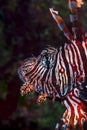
(70, 59)
(67, 68)
(78, 60)
(83, 56)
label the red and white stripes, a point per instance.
(60, 74)
(76, 112)
(67, 77)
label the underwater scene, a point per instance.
(43, 68)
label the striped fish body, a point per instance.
(76, 111)
(72, 66)
(57, 72)
(75, 61)
(61, 74)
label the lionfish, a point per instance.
(61, 74)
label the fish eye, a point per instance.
(44, 61)
(47, 61)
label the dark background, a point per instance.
(26, 28)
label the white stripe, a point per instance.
(47, 76)
(70, 53)
(37, 75)
(81, 62)
(75, 57)
(36, 71)
(65, 71)
(78, 101)
(48, 92)
(74, 104)
(50, 79)
(84, 47)
(62, 77)
(45, 89)
(76, 93)
(57, 126)
(69, 110)
(67, 58)
(41, 74)
(61, 84)
(56, 71)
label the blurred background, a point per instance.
(26, 28)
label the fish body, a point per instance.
(61, 74)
